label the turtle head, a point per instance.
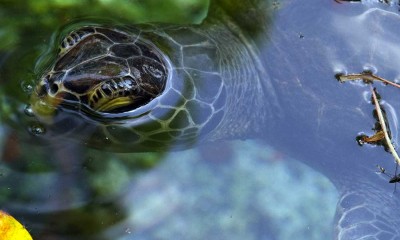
(130, 90)
(103, 70)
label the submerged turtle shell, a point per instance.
(115, 90)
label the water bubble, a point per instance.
(339, 69)
(370, 68)
(367, 96)
(28, 111)
(27, 86)
(37, 129)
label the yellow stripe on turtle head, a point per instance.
(110, 104)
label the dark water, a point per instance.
(235, 190)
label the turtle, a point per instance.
(252, 69)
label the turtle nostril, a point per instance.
(53, 88)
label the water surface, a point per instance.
(234, 190)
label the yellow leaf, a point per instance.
(11, 229)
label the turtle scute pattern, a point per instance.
(173, 74)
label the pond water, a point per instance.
(237, 190)
(225, 190)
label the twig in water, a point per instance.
(366, 76)
(393, 178)
(383, 126)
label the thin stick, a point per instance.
(383, 171)
(383, 125)
(366, 76)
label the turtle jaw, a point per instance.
(44, 106)
(45, 101)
